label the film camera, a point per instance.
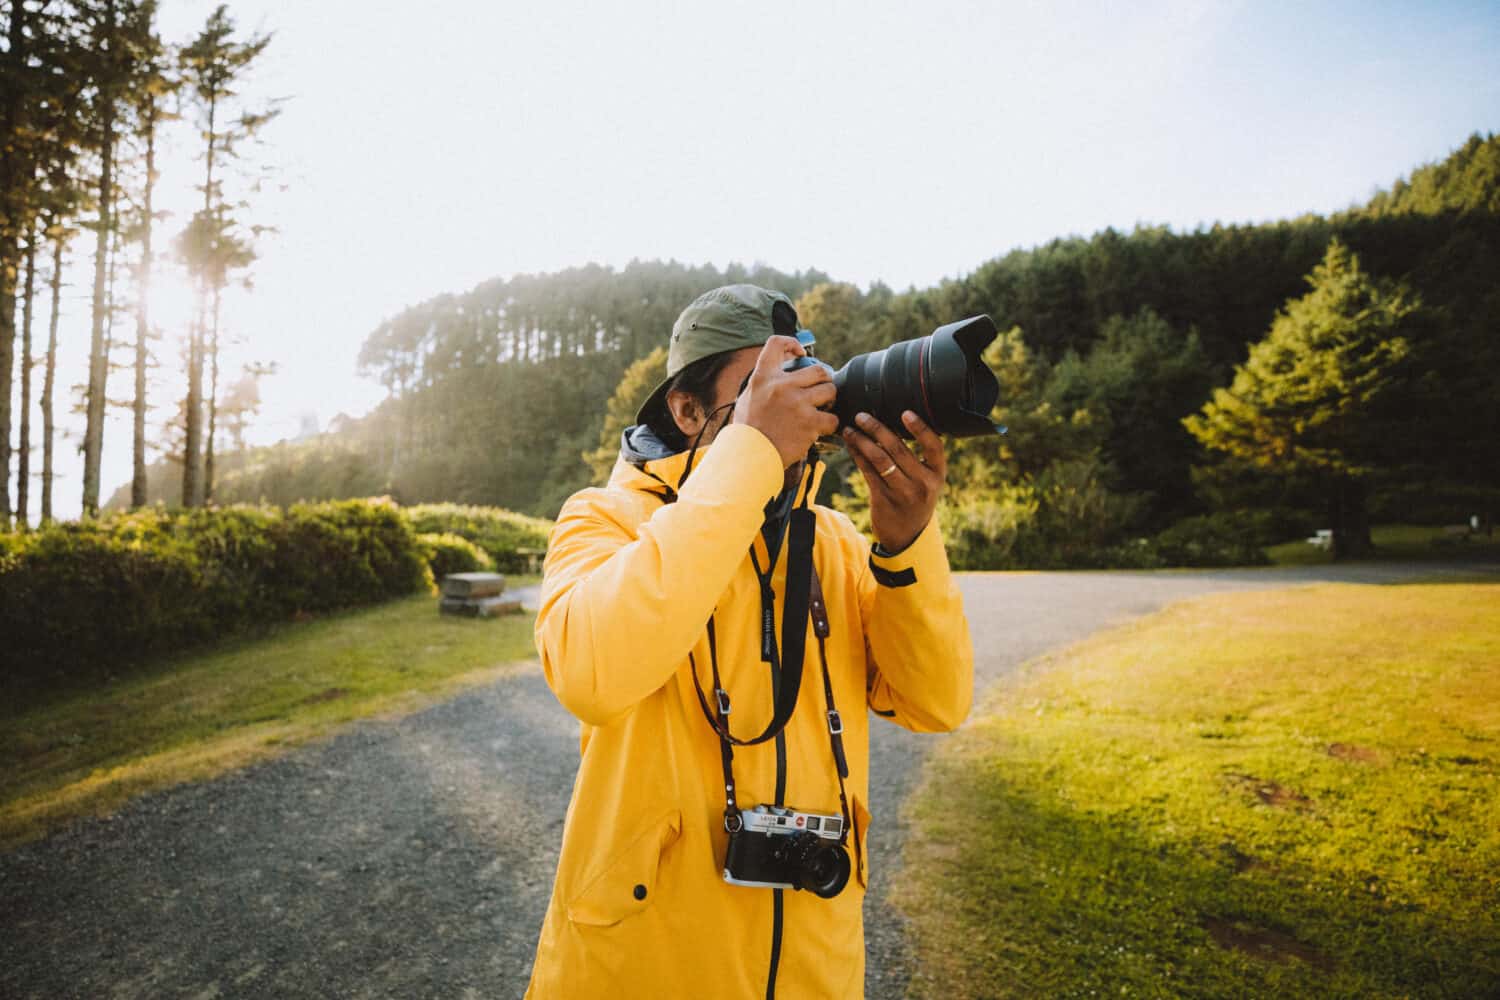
(778, 848)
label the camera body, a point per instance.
(780, 848)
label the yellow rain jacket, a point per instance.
(639, 906)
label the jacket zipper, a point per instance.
(777, 902)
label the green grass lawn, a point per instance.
(193, 716)
(1395, 541)
(1291, 793)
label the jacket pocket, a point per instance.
(861, 846)
(626, 884)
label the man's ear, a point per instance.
(685, 411)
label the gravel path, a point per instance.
(413, 858)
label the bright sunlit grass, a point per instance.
(1271, 794)
(198, 715)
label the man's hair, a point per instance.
(697, 380)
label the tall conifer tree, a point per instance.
(212, 66)
(1305, 400)
(156, 85)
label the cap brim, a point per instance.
(653, 402)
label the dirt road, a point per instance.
(413, 858)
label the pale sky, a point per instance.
(426, 147)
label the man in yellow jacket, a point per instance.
(665, 619)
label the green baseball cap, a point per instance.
(724, 319)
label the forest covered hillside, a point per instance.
(496, 394)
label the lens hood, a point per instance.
(941, 377)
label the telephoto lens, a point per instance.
(942, 378)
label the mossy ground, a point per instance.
(1284, 793)
(197, 715)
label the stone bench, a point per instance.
(476, 595)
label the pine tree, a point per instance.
(60, 81)
(109, 70)
(1305, 401)
(1140, 378)
(59, 236)
(23, 443)
(119, 33)
(212, 65)
(156, 85)
(17, 171)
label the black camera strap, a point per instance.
(804, 593)
(819, 611)
(799, 571)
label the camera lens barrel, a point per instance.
(821, 866)
(941, 377)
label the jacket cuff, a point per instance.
(741, 466)
(923, 559)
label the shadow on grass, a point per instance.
(1016, 897)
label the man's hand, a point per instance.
(786, 406)
(904, 489)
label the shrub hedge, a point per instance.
(1019, 528)
(1223, 539)
(503, 534)
(448, 553)
(81, 598)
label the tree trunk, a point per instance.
(1349, 520)
(192, 424)
(49, 378)
(138, 493)
(23, 444)
(192, 487)
(93, 435)
(213, 402)
(7, 364)
(11, 212)
(110, 309)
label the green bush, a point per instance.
(1230, 538)
(78, 599)
(75, 597)
(982, 531)
(344, 553)
(500, 533)
(1062, 518)
(448, 553)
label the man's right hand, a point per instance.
(787, 406)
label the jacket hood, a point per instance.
(647, 464)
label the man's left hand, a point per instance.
(904, 489)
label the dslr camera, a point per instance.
(779, 848)
(942, 378)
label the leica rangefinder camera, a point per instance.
(778, 848)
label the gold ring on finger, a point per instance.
(887, 472)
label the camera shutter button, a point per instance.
(640, 892)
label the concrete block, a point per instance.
(473, 585)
